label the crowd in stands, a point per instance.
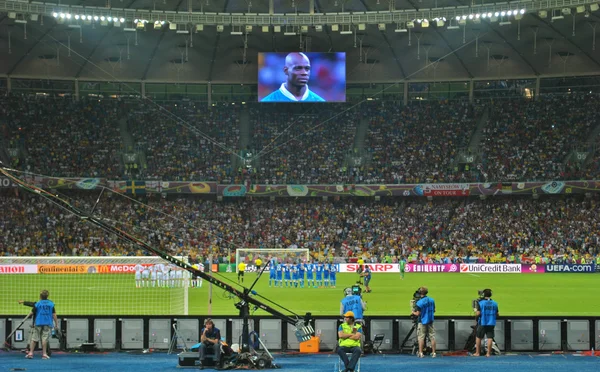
(531, 140)
(419, 229)
(370, 143)
(62, 137)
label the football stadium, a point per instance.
(310, 185)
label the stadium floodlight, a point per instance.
(33, 17)
(566, 11)
(489, 15)
(319, 28)
(477, 16)
(425, 23)
(543, 14)
(462, 22)
(55, 15)
(265, 28)
(381, 26)
(276, 28)
(410, 24)
(199, 28)
(109, 18)
(61, 15)
(102, 18)
(172, 26)
(522, 11)
(502, 13)
(220, 28)
(68, 16)
(471, 16)
(335, 27)
(464, 17)
(89, 18)
(76, 16)
(458, 18)
(96, 18)
(362, 27)
(580, 9)
(121, 19)
(12, 15)
(594, 7)
(519, 16)
(496, 14)
(484, 15)
(249, 28)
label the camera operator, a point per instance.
(353, 302)
(487, 313)
(425, 309)
(210, 338)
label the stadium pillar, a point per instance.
(76, 90)
(143, 88)
(8, 84)
(471, 91)
(405, 92)
(209, 91)
(537, 88)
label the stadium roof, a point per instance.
(483, 49)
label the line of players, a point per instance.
(165, 276)
(318, 274)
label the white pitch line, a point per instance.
(474, 275)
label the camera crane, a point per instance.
(304, 330)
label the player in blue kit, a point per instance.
(294, 270)
(310, 274)
(301, 274)
(332, 274)
(326, 274)
(272, 272)
(279, 270)
(286, 274)
(319, 271)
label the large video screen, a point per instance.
(302, 77)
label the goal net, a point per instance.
(250, 255)
(95, 285)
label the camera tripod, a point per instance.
(472, 340)
(415, 345)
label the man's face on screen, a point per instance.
(297, 69)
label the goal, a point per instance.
(95, 285)
(249, 256)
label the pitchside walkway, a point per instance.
(155, 362)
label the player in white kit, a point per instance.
(138, 275)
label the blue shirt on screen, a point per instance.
(426, 306)
(283, 95)
(43, 313)
(489, 311)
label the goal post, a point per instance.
(286, 255)
(96, 285)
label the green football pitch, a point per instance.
(524, 295)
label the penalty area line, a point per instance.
(474, 275)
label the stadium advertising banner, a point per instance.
(490, 268)
(431, 268)
(571, 268)
(375, 268)
(302, 77)
(533, 269)
(18, 269)
(67, 269)
(119, 268)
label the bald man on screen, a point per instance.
(295, 89)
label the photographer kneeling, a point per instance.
(487, 314)
(349, 335)
(425, 309)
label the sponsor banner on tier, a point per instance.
(18, 269)
(490, 268)
(67, 269)
(443, 189)
(571, 268)
(533, 269)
